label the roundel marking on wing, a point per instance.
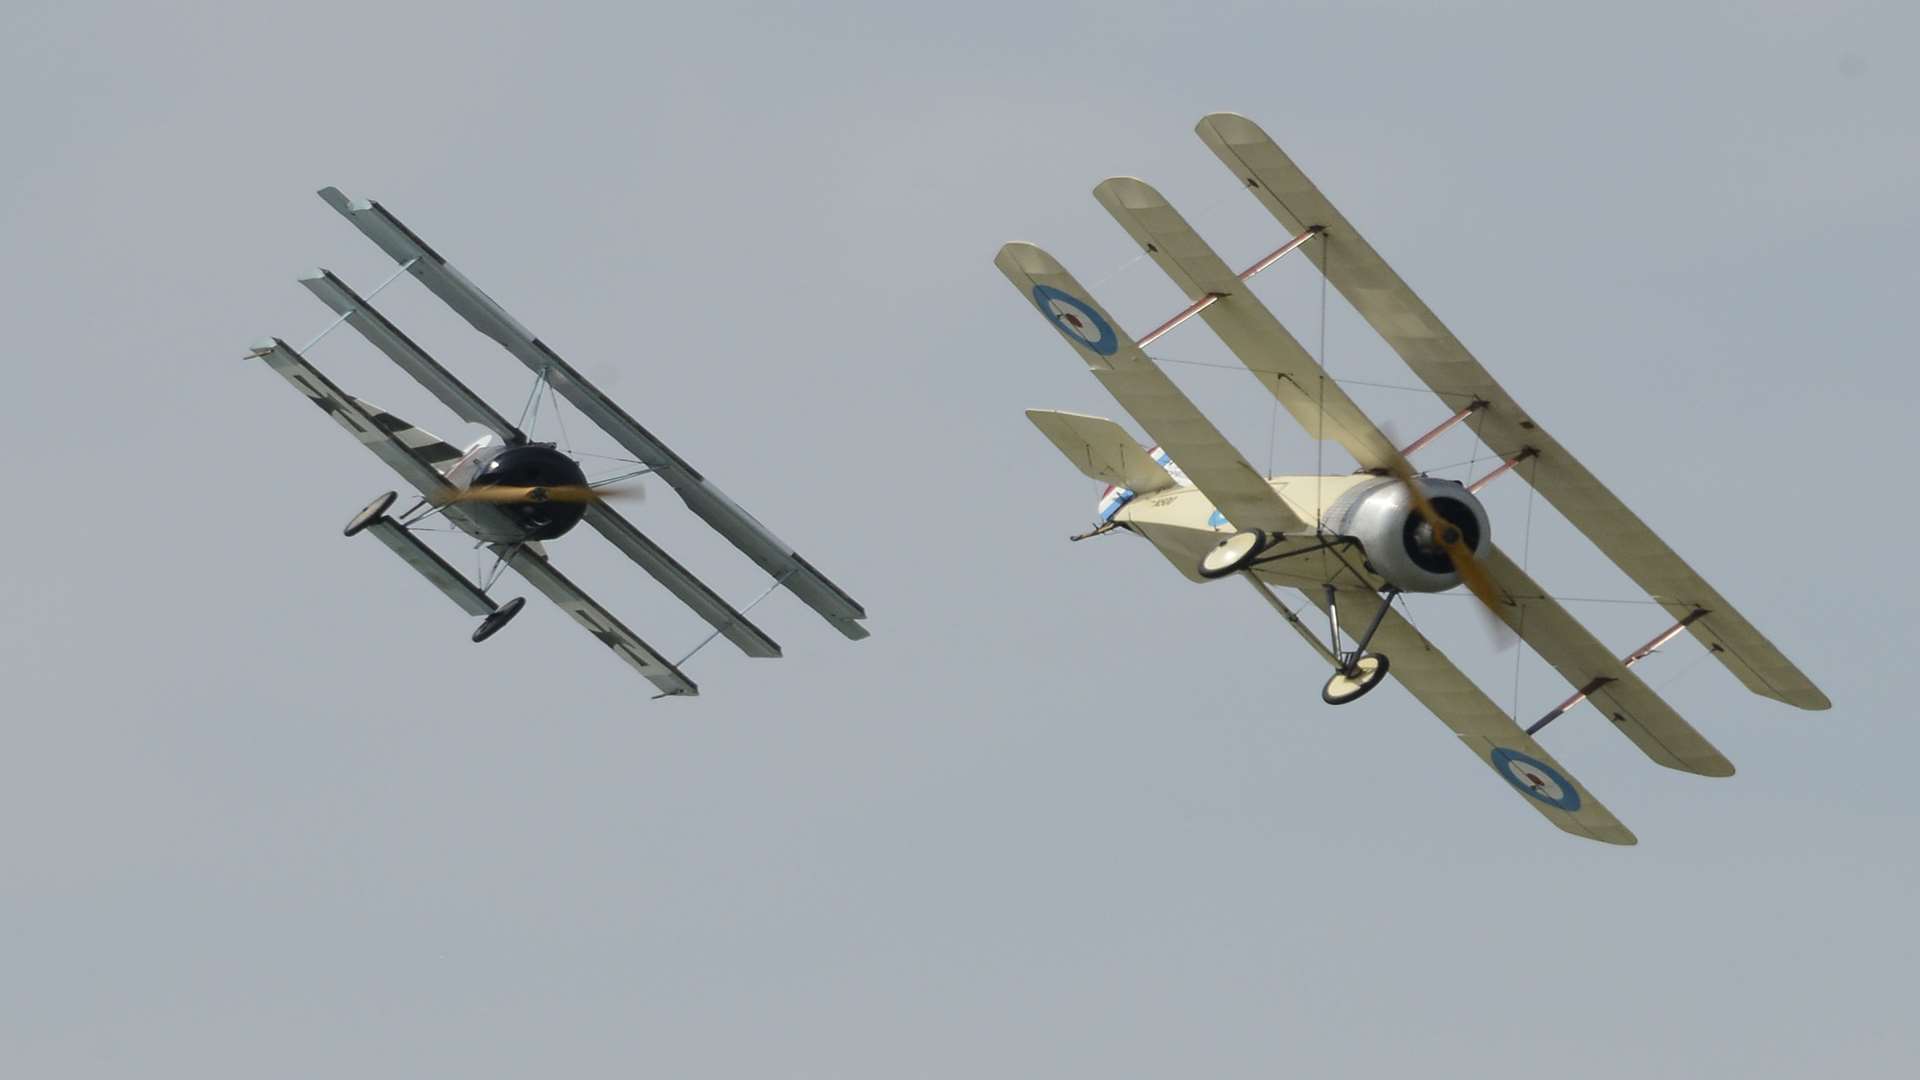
(1536, 779)
(1076, 319)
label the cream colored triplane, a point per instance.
(1354, 543)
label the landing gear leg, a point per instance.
(1357, 671)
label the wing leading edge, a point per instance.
(1144, 390)
(596, 620)
(726, 517)
(1482, 726)
(1245, 324)
(1444, 364)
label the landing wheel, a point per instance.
(1232, 555)
(1366, 673)
(501, 616)
(371, 514)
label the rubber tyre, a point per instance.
(501, 616)
(371, 513)
(1343, 688)
(1231, 555)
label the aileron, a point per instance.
(1444, 364)
(707, 501)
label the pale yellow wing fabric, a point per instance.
(1623, 697)
(1245, 324)
(1445, 365)
(1144, 390)
(1482, 726)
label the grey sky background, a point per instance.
(265, 811)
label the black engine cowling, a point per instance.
(536, 465)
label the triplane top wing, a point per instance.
(740, 528)
(512, 493)
(1386, 531)
(1445, 365)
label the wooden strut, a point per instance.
(1475, 406)
(1504, 466)
(1632, 658)
(1208, 300)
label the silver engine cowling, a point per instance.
(1399, 543)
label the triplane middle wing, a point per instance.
(511, 493)
(1354, 545)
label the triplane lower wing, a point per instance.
(1355, 544)
(512, 494)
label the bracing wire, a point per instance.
(610, 457)
(533, 400)
(1320, 422)
(560, 421)
(1526, 553)
(1465, 396)
(1684, 670)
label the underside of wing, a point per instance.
(1481, 725)
(597, 621)
(410, 357)
(706, 500)
(416, 455)
(680, 581)
(1444, 364)
(1622, 696)
(1145, 391)
(1245, 324)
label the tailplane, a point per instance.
(1102, 450)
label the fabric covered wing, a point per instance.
(1613, 688)
(680, 581)
(707, 501)
(414, 454)
(1145, 391)
(1481, 725)
(1245, 324)
(540, 573)
(428, 563)
(1445, 365)
(410, 357)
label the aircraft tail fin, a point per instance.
(1102, 450)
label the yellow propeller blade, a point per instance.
(1447, 534)
(505, 494)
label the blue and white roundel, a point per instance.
(1076, 319)
(1536, 779)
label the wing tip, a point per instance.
(1129, 193)
(1227, 125)
(1026, 257)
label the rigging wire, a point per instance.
(1558, 599)
(611, 457)
(533, 401)
(1684, 670)
(616, 478)
(1116, 272)
(1463, 395)
(560, 421)
(1526, 553)
(1320, 422)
